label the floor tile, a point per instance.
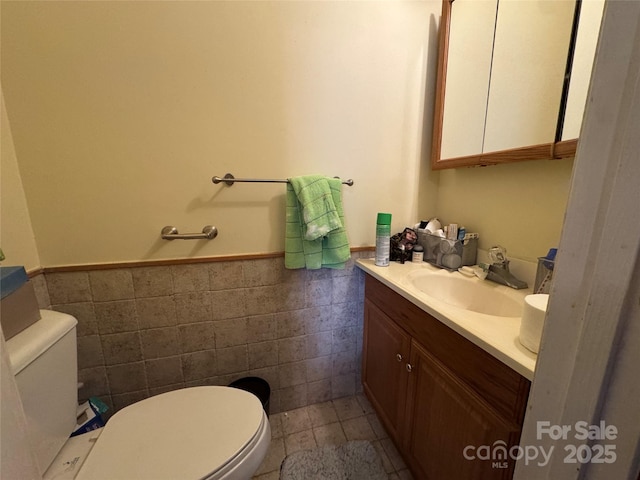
(331, 434)
(386, 462)
(275, 475)
(405, 475)
(299, 441)
(358, 429)
(377, 426)
(295, 421)
(322, 414)
(393, 453)
(274, 457)
(276, 425)
(329, 423)
(347, 407)
(364, 403)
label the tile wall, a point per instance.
(148, 330)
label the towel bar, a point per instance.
(209, 232)
(230, 180)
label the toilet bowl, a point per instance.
(204, 432)
(198, 433)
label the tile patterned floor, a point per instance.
(330, 423)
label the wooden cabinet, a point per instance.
(388, 348)
(436, 392)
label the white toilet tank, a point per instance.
(44, 361)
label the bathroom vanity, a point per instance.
(441, 395)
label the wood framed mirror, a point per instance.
(512, 80)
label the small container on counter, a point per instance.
(418, 254)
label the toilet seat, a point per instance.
(192, 433)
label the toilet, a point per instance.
(204, 432)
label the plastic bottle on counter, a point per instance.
(418, 254)
(383, 239)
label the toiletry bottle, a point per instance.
(418, 254)
(383, 239)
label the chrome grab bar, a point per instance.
(209, 232)
(230, 180)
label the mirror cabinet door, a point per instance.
(527, 72)
(501, 72)
(468, 72)
(583, 57)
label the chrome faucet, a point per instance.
(499, 269)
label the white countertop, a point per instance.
(496, 335)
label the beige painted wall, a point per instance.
(122, 112)
(520, 206)
(16, 233)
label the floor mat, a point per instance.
(353, 460)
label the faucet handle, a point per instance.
(498, 254)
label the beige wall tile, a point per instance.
(94, 382)
(41, 290)
(262, 300)
(121, 348)
(193, 307)
(318, 319)
(293, 397)
(319, 368)
(343, 339)
(292, 374)
(290, 324)
(230, 333)
(222, 321)
(261, 328)
(125, 399)
(107, 285)
(152, 281)
(190, 278)
(227, 304)
(226, 275)
(319, 391)
(159, 342)
(164, 371)
(319, 293)
(319, 344)
(127, 377)
(90, 351)
(68, 287)
(261, 272)
(343, 385)
(292, 349)
(199, 365)
(232, 360)
(263, 354)
(154, 312)
(115, 317)
(196, 336)
(85, 313)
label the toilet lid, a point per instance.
(182, 434)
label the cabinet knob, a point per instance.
(409, 367)
(399, 357)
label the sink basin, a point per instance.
(468, 293)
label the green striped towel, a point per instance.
(315, 236)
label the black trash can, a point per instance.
(256, 385)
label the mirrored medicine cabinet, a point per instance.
(512, 79)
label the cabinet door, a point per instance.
(385, 353)
(443, 417)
